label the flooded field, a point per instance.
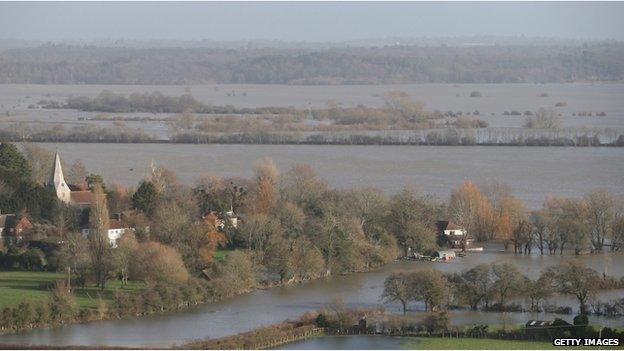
(264, 307)
(531, 172)
(495, 100)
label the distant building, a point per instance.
(13, 226)
(454, 236)
(214, 219)
(116, 228)
(445, 254)
(69, 194)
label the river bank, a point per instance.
(432, 331)
(265, 307)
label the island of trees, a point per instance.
(402, 120)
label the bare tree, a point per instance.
(601, 213)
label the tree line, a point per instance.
(66, 64)
(499, 287)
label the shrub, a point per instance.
(437, 321)
(321, 321)
(62, 303)
(475, 93)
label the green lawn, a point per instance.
(482, 344)
(221, 254)
(17, 286)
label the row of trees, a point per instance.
(493, 213)
(61, 64)
(493, 286)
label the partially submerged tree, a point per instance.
(397, 288)
(574, 278)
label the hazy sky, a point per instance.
(309, 21)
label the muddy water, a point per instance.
(531, 172)
(274, 305)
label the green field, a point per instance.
(220, 254)
(482, 344)
(17, 286)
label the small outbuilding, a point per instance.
(445, 254)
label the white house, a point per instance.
(455, 236)
(453, 229)
(115, 230)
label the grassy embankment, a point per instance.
(483, 344)
(17, 286)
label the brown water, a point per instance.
(532, 172)
(265, 307)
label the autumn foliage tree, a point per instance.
(470, 209)
(265, 195)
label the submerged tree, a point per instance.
(397, 288)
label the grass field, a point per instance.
(483, 344)
(220, 254)
(17, 286)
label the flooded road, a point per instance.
(274, 305)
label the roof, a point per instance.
(448, 225)
(446, 252)
(82, 197)
(453, 226)
(77, 187)
(12, 221)
(7, 220)
(116, 224)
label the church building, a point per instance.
(70, 194)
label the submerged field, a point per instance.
(18, 103)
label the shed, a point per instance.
(446, 254)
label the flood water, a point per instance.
(531, 172)
(18, 101)
(265, 307)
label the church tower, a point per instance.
(58, 181)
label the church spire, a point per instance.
(57, 180)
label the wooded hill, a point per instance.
(66, 64)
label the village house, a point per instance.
(214, 219)
(79, 196)
(116, 228)
(453, 236)
(12, 226)
(115, 231)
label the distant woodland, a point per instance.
(74, 64)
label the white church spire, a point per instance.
(58, 181)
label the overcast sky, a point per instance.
(309, 21)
